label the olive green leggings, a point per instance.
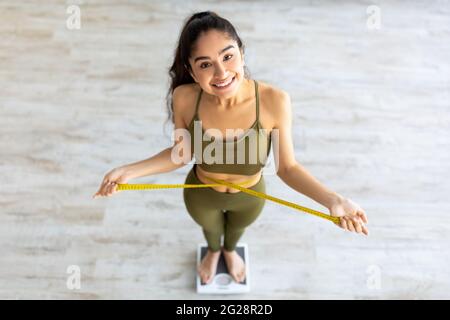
(222, 213)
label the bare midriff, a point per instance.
(250, 181)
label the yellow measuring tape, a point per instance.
(336, 220)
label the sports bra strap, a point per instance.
(257, 100)
(198, 102)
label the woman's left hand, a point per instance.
(352, 216)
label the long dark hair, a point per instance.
(192, 29)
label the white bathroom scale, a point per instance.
(223, 283)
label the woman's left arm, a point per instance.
(298, 178)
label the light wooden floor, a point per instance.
(371, 121)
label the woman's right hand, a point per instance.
(110, 181)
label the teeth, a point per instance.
(224, 84)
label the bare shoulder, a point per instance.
(272, 95)
(275, 102)
(184, 97)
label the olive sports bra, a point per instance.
(245, 156)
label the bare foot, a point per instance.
(235, 265)
(208, 267)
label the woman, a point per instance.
(209, 84)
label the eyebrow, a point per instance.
(220, 52)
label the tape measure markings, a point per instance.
(335, 220)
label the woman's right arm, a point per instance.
(159, 163)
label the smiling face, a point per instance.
(217, 59)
